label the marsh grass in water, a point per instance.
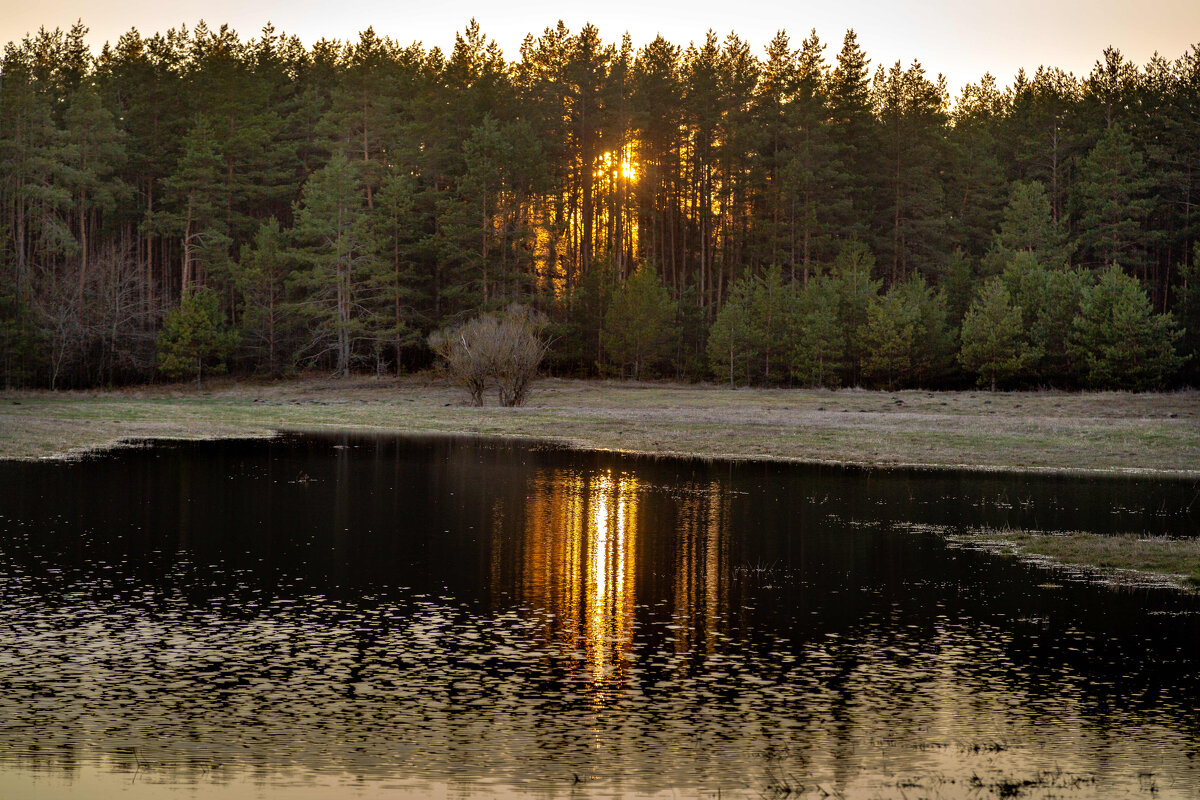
(1161, 557)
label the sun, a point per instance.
(623, 165)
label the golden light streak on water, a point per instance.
(580, 563)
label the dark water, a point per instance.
(348, 616)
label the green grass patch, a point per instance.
(1160, 556)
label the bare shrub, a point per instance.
(99, 325)
(500, 350)
(465, 357)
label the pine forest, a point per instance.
(195, 202)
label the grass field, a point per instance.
(1028, 431)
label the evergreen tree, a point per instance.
(905, 338)
(1043, 135)
(395, 235)
(94, 151)
(1119, 340)
(639, 328)
(958, 284)
(857, 141)
(730, 350)
(758, 331)
(194, 338)
(994, 345)
(335, 244)
(818, 345)
(262, 276)
(1188, 308)
(1111, 202)
(1049, 301)
(888, 338)
(196, 196)
(1028, 226)
(20, 345)
(853, 290)
(912, 208)
(975, 184)
(771, 319)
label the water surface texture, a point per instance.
(353, 616)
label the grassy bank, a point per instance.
(1105, 433)
(1126, 559)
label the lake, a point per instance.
(345, 615)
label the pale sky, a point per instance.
(959, 38)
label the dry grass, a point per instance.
(1052, 431)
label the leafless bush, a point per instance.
(464, 356)
(99, 324)
(500, 350)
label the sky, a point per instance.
(961, 39)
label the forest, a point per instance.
(194, 202)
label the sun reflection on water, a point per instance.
(579, 562)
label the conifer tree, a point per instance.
(1049, 302)
(194, 338)
(905, 338)
(94, 151)
(1119, 340)
(994, 345)
(196, 196)
(1027, 225)
(639, 328)
(729, 347)
(818, 345)
(912, 110)
(1111, 202)
(395, 236)
(853, 290)
(855, 131)
(262, 275)
(334, 242)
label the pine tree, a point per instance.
(888, 338)
(853, 290)
(975, 184)
(818, 346)
(335, 243)
(94, 151)
(1119, 340)
(1043, 134)
(771, 320)
(639, 328)
(395, 236)
(262, 276)
(1027, 225)
(729, 348)
(912, 208)
(905, 338)
(194, 338)
(1049, 301)
(994, 345)
(196, 196)
(856, 139)
(1111, 202)
(1188, 309)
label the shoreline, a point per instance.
(1053, 434)
(1123, 473)
(1050, 434)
